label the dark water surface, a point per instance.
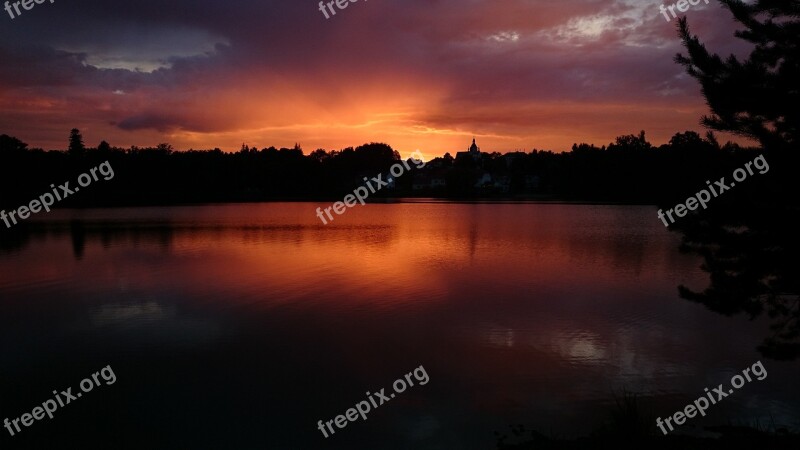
(241, 326)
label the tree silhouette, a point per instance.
(758, 97)
(631, 143)
(76, 146)
(11, 145)
(748, 246)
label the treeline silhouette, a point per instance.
(629, 170)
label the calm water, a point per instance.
(241, 326)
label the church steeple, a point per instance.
(474, 147)
(473, 152)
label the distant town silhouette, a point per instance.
(629, 170)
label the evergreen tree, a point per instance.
(748, 245)
(76, 146)
(758, 97)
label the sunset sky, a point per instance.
(416, 74)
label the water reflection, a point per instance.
(750, 255)
(115, 314)
(259, 314)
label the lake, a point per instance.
(241, 326)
